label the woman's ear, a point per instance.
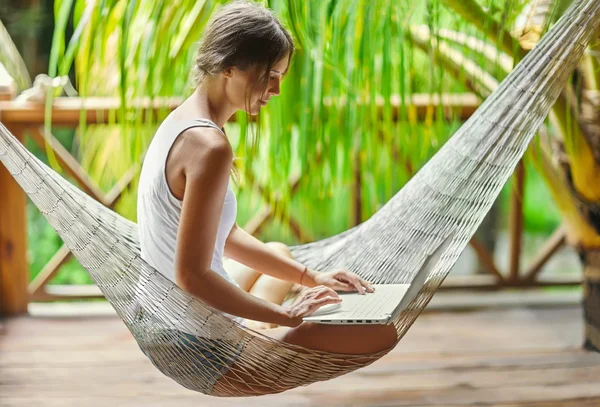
(228, 72)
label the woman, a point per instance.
(185, 197)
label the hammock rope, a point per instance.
(449, 196)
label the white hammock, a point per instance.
(449, 196)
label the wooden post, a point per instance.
(14, 266)
(515, 219)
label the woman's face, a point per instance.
(241, 82)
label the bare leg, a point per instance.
(346, 339)
(343, 339)
(242, 274)
(260, 285)
(270, 288)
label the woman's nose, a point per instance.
(275, 88)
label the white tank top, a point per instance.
(159, 211)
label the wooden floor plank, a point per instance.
(504, 358)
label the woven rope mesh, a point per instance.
(448, 197)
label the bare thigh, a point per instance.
(344, 339)
(254, 282)
(241, 274)
(270, 288)
(341, 339)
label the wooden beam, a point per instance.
(14, 265)
(38, 287)
(555, 242)
(454, 105)
(489, 282)
(67, 110)
(114, 195)
(479, 282)
(485, 258)
(68, 293)
(515, 221)
(49, 271)
(66, 160)
(255, 224)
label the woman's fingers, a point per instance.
(314, 304)
(356, 283)
(361, 285)
(328, 300)
(368, 286)
(323, 290)
(324, 301)
(352, 282)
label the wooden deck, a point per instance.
(491, 357)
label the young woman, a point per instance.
(187, 208)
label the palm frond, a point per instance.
(12, 60)
(579, 231)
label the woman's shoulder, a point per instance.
(205, 146)
(206, 140)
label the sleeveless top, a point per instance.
(159, 211)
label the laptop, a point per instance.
(381, 306)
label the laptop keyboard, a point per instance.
(356, 308)
(369, 306)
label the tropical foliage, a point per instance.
(345, 112)
(345, 104)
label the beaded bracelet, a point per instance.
(302, 275)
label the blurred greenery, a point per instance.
(44, 241)
(540, 214)
(146, 48)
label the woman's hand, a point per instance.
(343, 280)
(309, 301)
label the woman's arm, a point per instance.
(242, 247)
(206, 174)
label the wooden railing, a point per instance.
(16, 292)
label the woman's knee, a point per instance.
(242, 274)
(281, 248)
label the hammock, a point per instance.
(448, 197)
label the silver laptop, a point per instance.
(381, 306)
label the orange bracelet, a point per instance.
(302, 275)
